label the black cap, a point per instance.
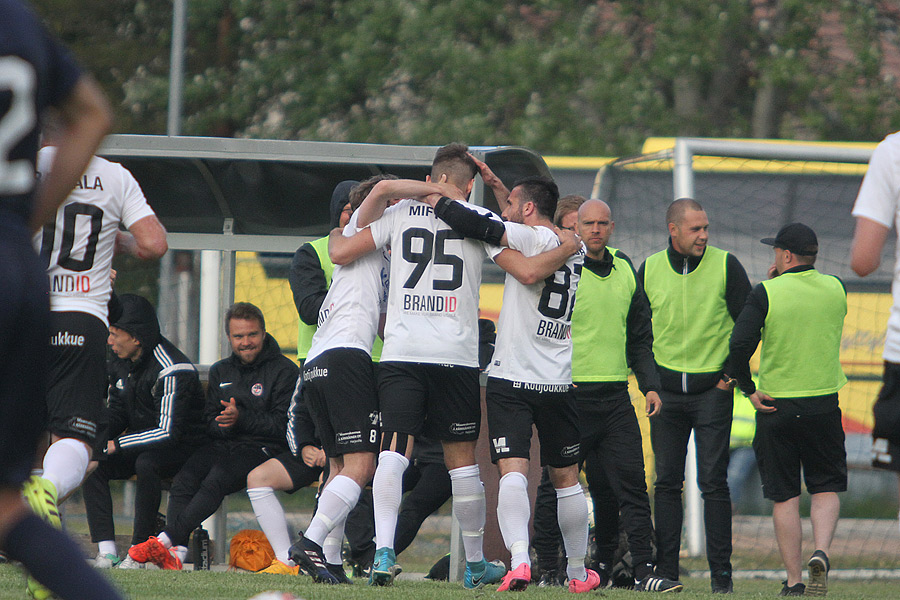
(138, 318)
(796, 237)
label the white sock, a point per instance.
(107, 547)
(572, 515)
(513, 513)
(469, 509)
(164, 539)
(181, 552)
(65, 465)
(331, 548)
(337, 500)
(270, 514)
(387, 491)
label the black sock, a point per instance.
(55, 560)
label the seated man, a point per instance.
(246, 414)
(155, 424)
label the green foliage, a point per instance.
(560, 76)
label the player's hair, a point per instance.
(453, 160)
(245, 311)
(364, 187)
(675, 213)
(567, 204)
(542, 191)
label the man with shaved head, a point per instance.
(696, 292)
(611, 334)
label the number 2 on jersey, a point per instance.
(420, 246)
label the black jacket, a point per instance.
(156, 400)
(263, 392)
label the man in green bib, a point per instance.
(696, 291)
(799, 316)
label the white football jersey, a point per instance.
(432, 314)
(78, 250)
(352, 308)
(534, 341)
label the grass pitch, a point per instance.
(212, 585)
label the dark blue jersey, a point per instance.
(35, 72)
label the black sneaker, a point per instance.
(551, 579)
(818, 574)
(793, 590)
(652, 583)
(309, 556)
(338, 572)
(722, 584)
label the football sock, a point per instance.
(107, 547)
(387, 491)
(331, 548)
(469, 509)
(164, 539)
(572, 515)
(181, 552)
(65, 465)
(513, 513)
(28, 542)
(270, 515)
(337, 500)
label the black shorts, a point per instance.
(784, 441)
(24, 332)
(77, 386)
(442, 402)
(300, 473)
(512, 408)
(339, 389)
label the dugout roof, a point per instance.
(202, 185)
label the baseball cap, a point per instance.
(796, 237)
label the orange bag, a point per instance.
(250, 550)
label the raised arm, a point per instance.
(386, 190)
(501, 193)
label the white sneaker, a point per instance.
(106, 561)
(130, 563)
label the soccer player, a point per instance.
(246, 411)
(710, 286)
(876, 210)
(36, 73)
(530, 383)
(798, 314)
(339, 388)
(78, 251)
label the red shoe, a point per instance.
(591, 582)
(516, 580)
(153, 551)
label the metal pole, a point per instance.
(176, 66)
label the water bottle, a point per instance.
(200, 549)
